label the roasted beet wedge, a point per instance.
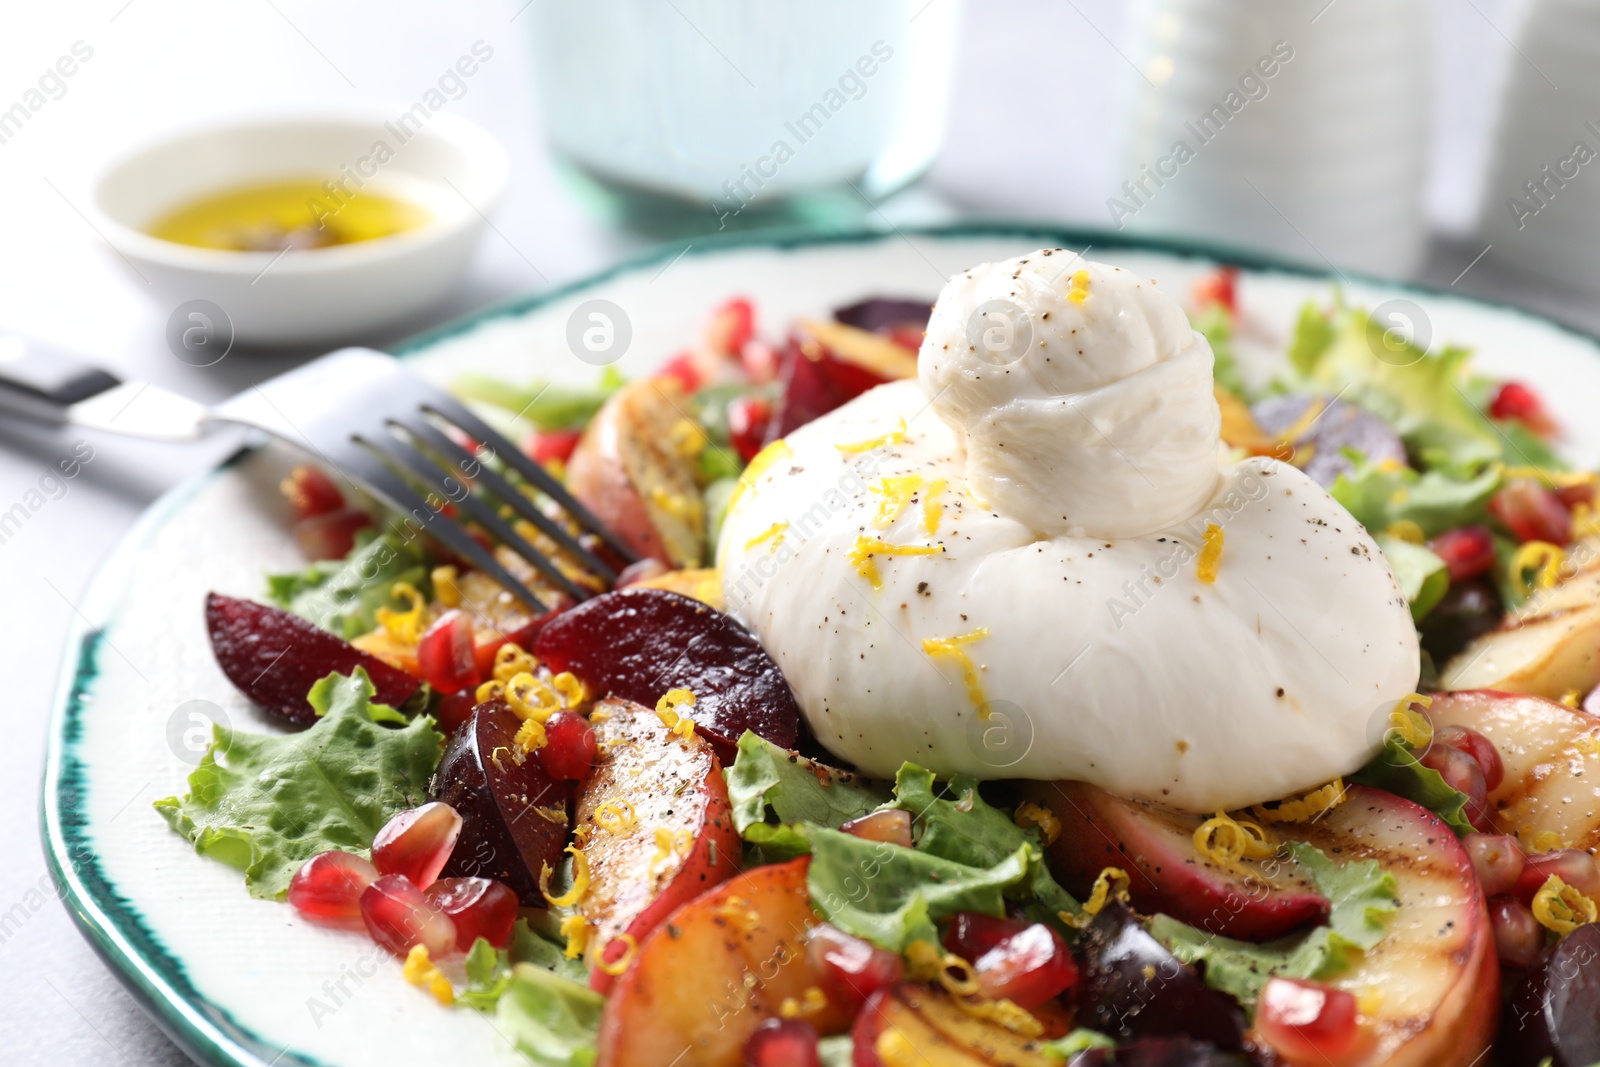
(638, 643)
(275, 658)
(513, 815)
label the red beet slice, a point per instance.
(635, 644)
(513, 815)
(275, 657)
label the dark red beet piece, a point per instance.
(275, 658)
(503, 836)
(636, 644)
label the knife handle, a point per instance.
(38, 381)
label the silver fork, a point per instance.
(363, 415)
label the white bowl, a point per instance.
(453, 169)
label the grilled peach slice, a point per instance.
(701, 984)
(1168, 874)
(1548, 647)
(658, 830)
(634, 468)
(1551, 755)
(1431, 987)
(919, 1024)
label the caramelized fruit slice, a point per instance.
(638, 643)
(1550, 759)
(513, 815)
(274, 658)
(700, 986)
(917, 1024)
(661, 830)
(1167, 873)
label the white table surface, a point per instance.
(163, 63)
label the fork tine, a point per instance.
(420, 428)
(376, 475)
(450, 410)
(419, 465)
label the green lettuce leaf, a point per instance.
(971, 831)
(542, 945)
(1421, 394)
(488, 976)
(1396, 770)
(343, 597)
(266, 803)
(796, 790)
(1216, 325)
(1363, 899)
(1080, 1040)
(1435, 501)
(550, 1019)
(892, 896)
(547, 405)
(1423, 576)
(717, 496)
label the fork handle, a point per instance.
(38, 381)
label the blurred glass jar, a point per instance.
(703, 114)
(1541, 200)
(1300, 127)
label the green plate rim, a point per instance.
(206, 1031)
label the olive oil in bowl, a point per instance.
(297, 214)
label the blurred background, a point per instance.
(1446, 142)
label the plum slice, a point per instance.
(513, 814)
(1156, 847)
(637, 643)
(1554, 1014)
(275, 657)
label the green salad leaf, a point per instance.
(541, 945)
(892, 895)
(1421, 394)
(550, 1019)
(266, 803)
(1436, 501)
(767, 777)
(971, 831)
(343, 597)
(547, 405)
(488, 976)
(1216, 325)
(1395, 769)
(1424, 577)
(1362, 897)
(1080, 1040)
(717, 496)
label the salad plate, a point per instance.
(239, 979)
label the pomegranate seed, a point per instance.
(851, 969)
(1532, 512)
(682, 368)
(551, 446)
(890, 827)
(1308, 1022)
(972, 933)
(782, 1043)
(1496, 859)
(1479, 748)
(569, 748)
(454, 710)
(1517, 934)
(311, 492)
(1468, 551)
(1516, 401)
(1218, 287)
(1462, 773)
(1031, 967)
(480, 907)
(327, 888)
(1573, 866)
(749, 418)
(399, 917)
(731, 326)
(760, 361)
(417, 843)
(446, 654)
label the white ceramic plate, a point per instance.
(242, 981)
